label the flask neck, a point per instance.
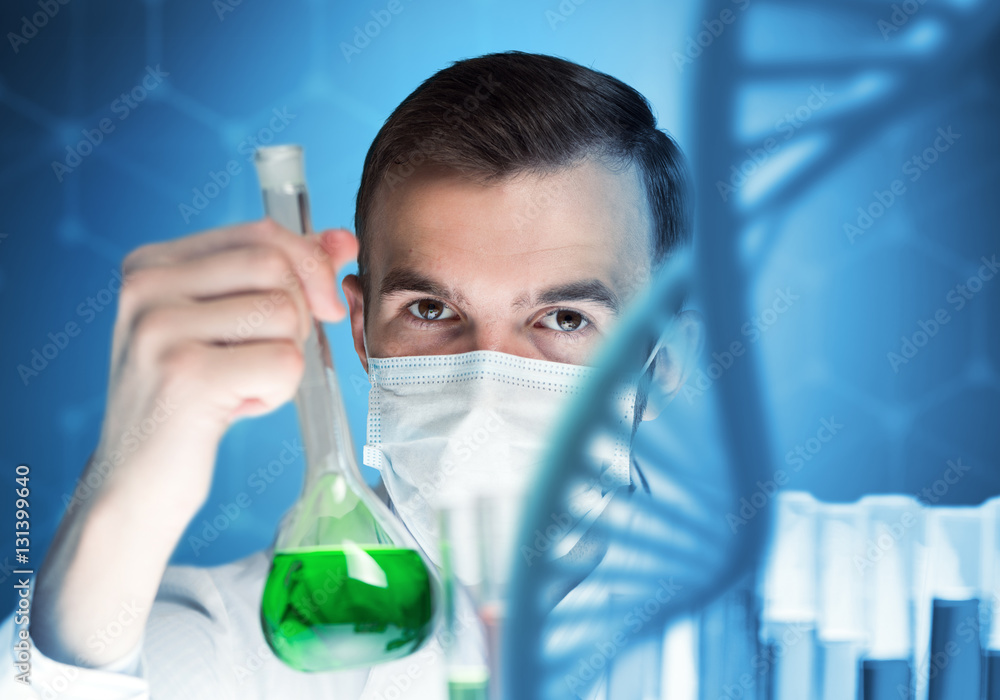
(326, 433)
(323, 420)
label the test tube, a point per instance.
(477, 540)
(954, 664)
(991, 596)
(466, 656)
(728, 645)
(788, 616)
(840, 624)
(888, 569)
(676, 651)
(640, 667)
(498, 518)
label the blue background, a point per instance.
(227, 73)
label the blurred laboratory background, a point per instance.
(846, 155)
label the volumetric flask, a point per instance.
(348, 588)
(477, 543)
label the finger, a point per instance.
(223, 382)
(234, 272)
(341, 245)
(230, 272)
(310, 260)
(228, 321)
(209, 242)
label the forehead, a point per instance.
(587, 219)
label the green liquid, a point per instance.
(468, 683)
(332, 609)
(467, 690)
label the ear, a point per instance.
(675, 360)
(356, 312)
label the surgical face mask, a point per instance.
(447, 428)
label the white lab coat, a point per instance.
(203, 640)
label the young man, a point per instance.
(510, 206)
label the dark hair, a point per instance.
(507, 113)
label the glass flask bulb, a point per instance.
(348, 586)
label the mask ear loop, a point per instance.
(649, 360)
(372, 458)
(633, 466)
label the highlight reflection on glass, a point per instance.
(346, 588)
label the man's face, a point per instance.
(538, 266)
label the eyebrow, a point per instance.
(585, 290)
(400, 279)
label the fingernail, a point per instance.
(327, 240)
(334, 238)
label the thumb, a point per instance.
(341, 245)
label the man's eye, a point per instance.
(430, 310)
(565, 320)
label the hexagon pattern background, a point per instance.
(127, 123)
